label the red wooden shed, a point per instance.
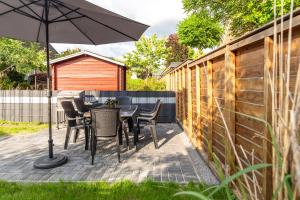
(88, 71)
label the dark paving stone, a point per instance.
(175, 160)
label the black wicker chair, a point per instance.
(81, 107)
(151, 120)
(105, 124)
(75, 122)
(83, 110)
(124, 100)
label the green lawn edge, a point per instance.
(124, 190)
(8, 128)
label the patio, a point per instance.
(175, 160)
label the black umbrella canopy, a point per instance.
(70, 21)
(63, 21)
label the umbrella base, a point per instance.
(46, 163)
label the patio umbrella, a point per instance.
(63, 21)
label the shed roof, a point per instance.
(86, 53)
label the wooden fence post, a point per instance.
(176, 91)
(267, 146)
(229, 112)
(210, 108)
(180, 97)
(198, 94)
(184, 102)
(189, 102)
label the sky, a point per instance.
(161, 15)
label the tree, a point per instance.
(67, 52)
(24, 57)
(17, 59)
(200, 31)
(147, 58)
(240, 15)
(177, 52)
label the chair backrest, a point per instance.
(81, 107)
(124, 100)
(70, 112)
(157, 109)
(105, 122)
(158, 102)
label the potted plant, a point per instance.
(111, 102)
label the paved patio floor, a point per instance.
(175, 160)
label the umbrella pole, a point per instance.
(52, 160)
(49, 92)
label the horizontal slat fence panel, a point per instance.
(31, 105)
(144, 99)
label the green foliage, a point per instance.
(124, 190)
(240, 15)
(177, 52)
(147, 58)
(67, 52)
(13, 128)
(18, 58)
(200, 31)
(13, 79)
(24, 57)
(149, 84)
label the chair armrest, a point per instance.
(77, 118)
(144, 118)
(146, 114)
(145, 110)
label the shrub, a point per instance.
(12, 80)
(150, 84)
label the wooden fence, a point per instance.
(222, 94)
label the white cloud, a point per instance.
(161, 15)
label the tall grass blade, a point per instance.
(238, 174)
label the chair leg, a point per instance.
(135, 137)
(118, 149)
(91, 138)
(120, 135)
(93, 148)
(67, 137)
(130, 124)
(76, 135)
(126, 136)
(138, 129)
(154, 135)
(86, 132)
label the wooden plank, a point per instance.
(175, 88)
(209, 66)
(253, 110)
(267, 146)
(198, 108)
(229, 112)
(255, 97)
(189, 102)
(253, 84)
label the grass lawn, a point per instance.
(124, 190)
(13, 128)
